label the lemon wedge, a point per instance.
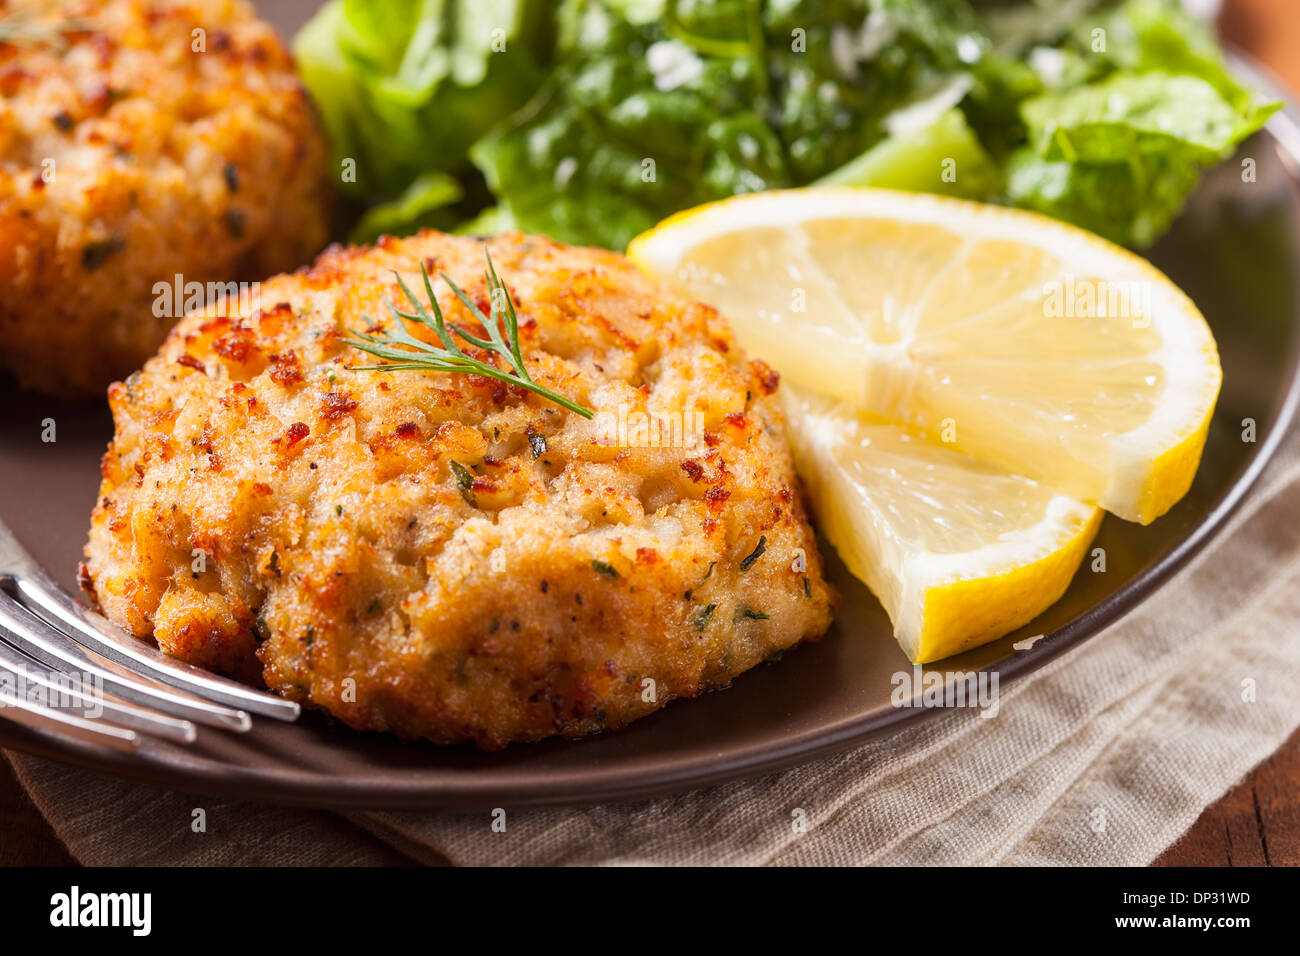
(1034, 346)
(959, 553)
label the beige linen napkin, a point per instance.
(1105, 756)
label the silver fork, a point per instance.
(68, 671)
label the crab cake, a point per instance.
(444, 555)
(141, 140)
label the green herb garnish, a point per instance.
(703, 616)
(95, 254)
(754, 555)
(743, 613)
(405, 351)
(605, 568)
(464, 481)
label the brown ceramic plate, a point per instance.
(1236, 252)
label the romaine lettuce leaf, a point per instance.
(1154, 36)
(839, 67)
(539, 180)
(722, 97)
(424, 203)
(489, 222)
(405, 87)
(605, 116)
(639, 125)
(1129, 203)
(944, 157)
(1148, 104)
(1128, 116)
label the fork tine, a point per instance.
(52, 647)
(18, 665)
(96, 632)
(22, 711)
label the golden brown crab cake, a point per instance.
(447, 556)
(141, 140)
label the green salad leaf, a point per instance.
(1154, 36)
(488, 222)
(405, 87)
(840, 67)
(1133, 203)
(591, 120)
(942, 157)
(1126, 116)
(1121, 156)
(614, 142)
(1120, 147)
(424, 203)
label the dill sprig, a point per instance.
(402, 350)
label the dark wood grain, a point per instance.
(1256, 824)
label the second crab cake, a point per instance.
(142, 141)
(448, 556)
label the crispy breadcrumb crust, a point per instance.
(266, 510)
(145, 139)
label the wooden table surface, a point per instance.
(1256, 824)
